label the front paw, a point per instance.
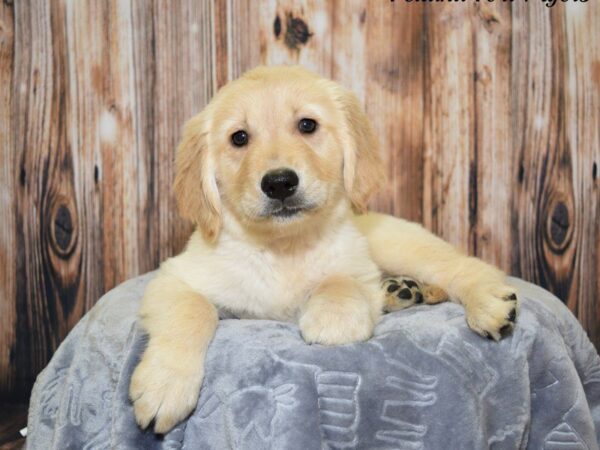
(492, 310)
(163, 393)
(335, 322)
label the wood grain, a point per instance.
(13, 418)
(184, 83)
(243, 29)
(488, 115)
(8, 184)
(449, 123)
(543, 208)
(46, 234)
(393, 93)
(492, 167)
(582, 104)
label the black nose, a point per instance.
(279, 184)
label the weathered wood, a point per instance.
(184, 83)
(245, 50)
(582, 110)
(47, 231)
(102, 133)
(393, 95)
(8, 186)
(543, 189)
(304, 37)
(349, 45)
(488, 114)
(449, 123)
(492, 171)
(143, 49)
(221, 38)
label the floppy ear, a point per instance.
(363, 169)
(195, 185)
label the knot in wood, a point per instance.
(277, 26)
(62, 230)
(296, 32)
(559, 226)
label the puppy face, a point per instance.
(278, 149)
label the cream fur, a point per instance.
(320, 268)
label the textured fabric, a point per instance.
(424, 381)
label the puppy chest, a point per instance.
(264, 284)
(263, 288)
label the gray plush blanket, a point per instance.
(424, 381)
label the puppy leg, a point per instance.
(398, 246)
(180, 323)
(340, 311)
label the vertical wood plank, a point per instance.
(492, 172)
(544, 163)
(221, 44)
(83, 72)
(393, 92)
(531, 31)
(349, 44)
(582, 110)
(449, 123)
(109, 156)
(556, 132)
(184, 75)
(104, 99)
(142, 54)
(47, 220)
(8, 248)
(243, 25)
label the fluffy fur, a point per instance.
(320, 267)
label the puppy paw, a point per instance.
(492, 311)
(402, 292)
(162, 394)
(335, 323)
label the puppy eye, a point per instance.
(307, 126)
(239, 138)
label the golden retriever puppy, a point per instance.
(276, 172)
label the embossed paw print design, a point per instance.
(248, 429)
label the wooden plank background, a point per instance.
(489, 115)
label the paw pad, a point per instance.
(512, 315)
(405, 294)
(400, 293)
